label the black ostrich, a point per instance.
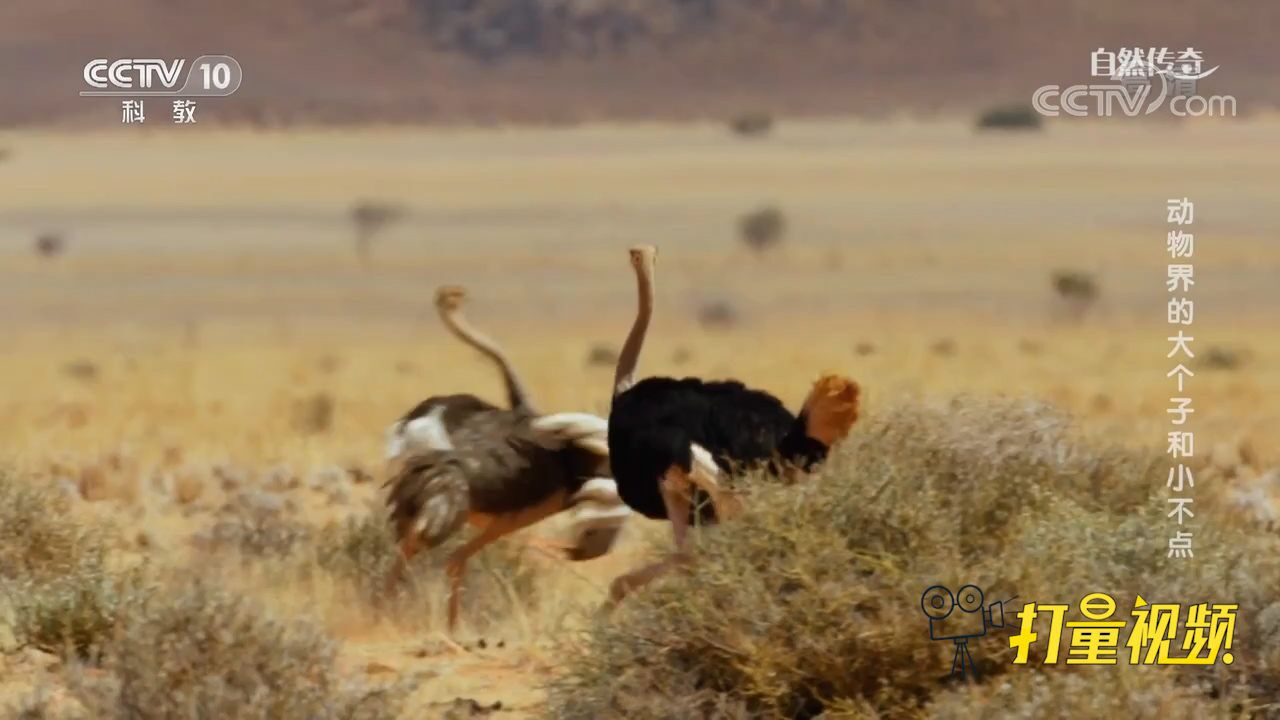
(673, 442)
(456, 459)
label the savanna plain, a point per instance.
(197, 368)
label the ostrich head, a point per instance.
(449, 298)
(643, 260)
(831, 409)
(449, 302)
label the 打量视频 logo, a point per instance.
(960, 618)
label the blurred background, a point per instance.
(862, 183)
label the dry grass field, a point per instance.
(201, 378)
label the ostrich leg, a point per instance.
(675, 486)
(408, 546)
(497, 526)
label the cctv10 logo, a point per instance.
(206, 76)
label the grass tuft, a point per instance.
(54, 574)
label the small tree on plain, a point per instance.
(762, 229)
(1010, 117)
(370, 218)
(1078, 291)
(718, 315)
(751, 124)
(50, 245)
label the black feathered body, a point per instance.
(653, 424)
(494, 455)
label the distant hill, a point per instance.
(355, 61)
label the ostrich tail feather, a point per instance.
(429, 496)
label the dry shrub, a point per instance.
(751, 124)
(195, 651)
(53, 571)
(358, 550)
(762, 229)
(370, 218)
(49, 244)
(171, 456)
(312, 415)
(39, 704)
(718, 315)
(1078, 290)
(100, 481)
(1221, 358)
(602, 355)
(38, 540)
(256, 524)
(86, 370)
(1140, 693)
(254, 536)
(943, 347)
(329, 364)
(1010, 117)
(73, 614)
(811, 602)
(187, 487)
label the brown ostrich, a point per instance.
(458, 460)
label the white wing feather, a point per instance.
(587, 431)
(597, 518)
(421, 434)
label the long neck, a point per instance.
(797, 450)
(625, 376)
(516, 395)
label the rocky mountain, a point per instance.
(344, 61)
